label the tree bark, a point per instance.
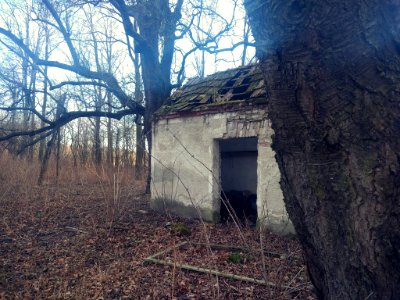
(155, 74)
(32, 98)
(42, 143)
(96, 139)
(45, 92)
(117, 148)
(97, 157)
(46, 157)
(139, 158)
(140, 138)
(332, 71)
(110, 157)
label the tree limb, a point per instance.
(32, 110)
(66, 118)
(108, 78)
(63, 30)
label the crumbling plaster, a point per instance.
(186, 165)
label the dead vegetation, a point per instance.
(87, 235)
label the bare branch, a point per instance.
(32, 110)
(76, 83)
(63, 30)
(35, 141)
(211, 51)
(125, 12)
(228, 49)
(66, 118)
(111, 81)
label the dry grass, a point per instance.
(85, 236)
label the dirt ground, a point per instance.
(88, 239)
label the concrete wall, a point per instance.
(186, 165)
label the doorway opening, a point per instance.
(239, 179)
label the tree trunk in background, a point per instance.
(46, 157)
(99, 102)
(12, 144)
(332, 71)
(97, 141)
(140, 146)
(140, 138)
(117, 147)
(26, 100)
(42, 143)
(84, 144)
(58, 151)
(110, 158)
(125, 144)
(246, 35)
(155, 94)
(109, 61)
(32, 98)
(155, 19)
(97, 146)
(50, 144)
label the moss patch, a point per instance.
(180, 229)
(236, 258)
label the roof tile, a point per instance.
(235, 87)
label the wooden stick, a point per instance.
(153, 259)
(218, 273)
(165, 251)
(234, 248)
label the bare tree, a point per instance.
(151, 28)
(55, 139)
(45, 85)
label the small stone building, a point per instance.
(213, 138)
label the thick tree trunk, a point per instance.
(140, 138)
(332, 70)
(156, 86)
(155, 93)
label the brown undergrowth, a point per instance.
(87, 234)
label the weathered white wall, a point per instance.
(186, 165)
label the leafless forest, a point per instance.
(79, 82)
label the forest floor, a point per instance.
(87, 237)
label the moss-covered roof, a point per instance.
(231, 89)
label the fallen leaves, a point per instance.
(60, 242)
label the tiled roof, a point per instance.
(231, 89)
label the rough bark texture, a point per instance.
(155, 20)
(332, 70)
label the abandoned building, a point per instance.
(212, 141)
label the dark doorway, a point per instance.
(239, 178)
